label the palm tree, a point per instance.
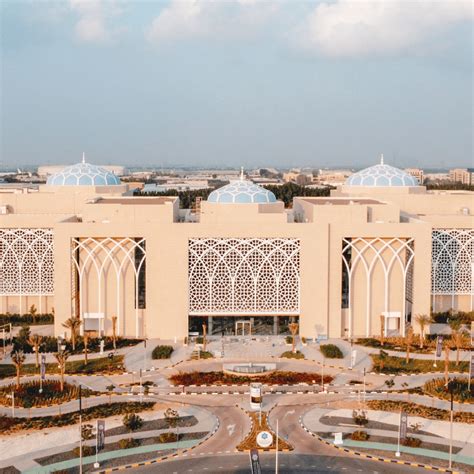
(382, 329)
(383, 356)
(18, 359)
(114, 331)
(73, 325)
(35, 341)
(423, 320)
(204, 339)
(86, 346)
(293, 327)
(458, 336)
(62, 357)
(409, 342)
(33, 312)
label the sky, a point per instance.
(237, 83)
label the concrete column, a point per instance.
(209, 326)
(275, 325)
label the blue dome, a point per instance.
(83, 174)
(381, 175)
(241, 192)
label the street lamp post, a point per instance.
(364, 387)
(80, 429)
(276, 452)
(322, 376)
(450, 388)
(144, 355)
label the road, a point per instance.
(288, 464)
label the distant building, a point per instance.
(296, 176)
(331, 177)
(462, 175)
(417, 173)
(48, 170)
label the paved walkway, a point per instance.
(21, 450)
(463, 435)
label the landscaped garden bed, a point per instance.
(292, 355)
(250, 442)
(331, 351)
(396, 344)
(461, 392)
(10, 424)
(109, 447)
(395, 365)
(28, 394)
(415, 409)
(221, 378)
(159, 424)
(101, 365)
(26, 319)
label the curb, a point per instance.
(377, 458)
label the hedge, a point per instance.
(162, 352)
(26, 319)
(331, 351)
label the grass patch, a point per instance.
(331, 351)
(292, 355)
(10, 424)
(28, 394)
(420, 410)
(94, 366)
(220, 378)
(395, 365)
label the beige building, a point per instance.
(380, 245)
(417, 173)
(462, 175)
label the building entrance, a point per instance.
(241, 325)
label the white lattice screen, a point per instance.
(244, 276)
(104, 256)
(26, 262)
(384, 253)
(452, 266)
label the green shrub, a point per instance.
(292, 355)
(331, 351)
(86, 450)
(360, 436)
(206, 355)
(162, 352)
(167, 438)
(132, 422)
(289, 340)
(394, 365)
(360, 417)
(128, 443)
(442, 317)
(411, 442)
(26, 319)
(199, 340)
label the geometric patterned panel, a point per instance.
(244, 276)
(26, 262)
(452, 264)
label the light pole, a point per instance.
(144, 355)
(451, 416)
(364, 387)
(276, 452)
(322, 376)
(80, 429)
(352, 344)
(13, 403)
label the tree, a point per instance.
(114, 331)
(33, 312)
(382, 329)
(409, 342)
(458, 336)
(382, 358)
(172, 418)
(18, 359)
(35, 341)
(293, 327)
(87, 432)
(73, 324)
(423, 320)
(62, 357)
(204, 339)
(132, 422)
(86, 346)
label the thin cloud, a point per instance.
(357, 28)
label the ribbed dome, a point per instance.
(381, 175)
(241, 192)
(83, 174)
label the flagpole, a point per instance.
(397, 454)
(276, 453)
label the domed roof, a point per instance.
(381, 175)
(83, 174)
(241, 191)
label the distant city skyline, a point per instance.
(241, 83)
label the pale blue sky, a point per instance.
(249, 83)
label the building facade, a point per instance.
(380, 245)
